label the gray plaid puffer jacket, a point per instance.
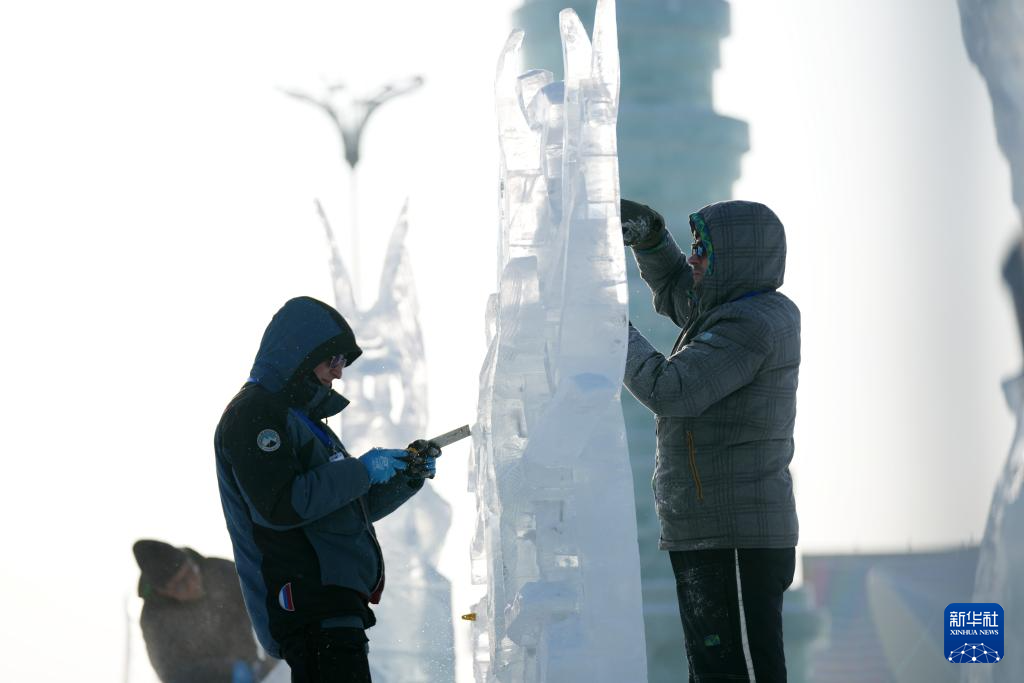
(725, 398)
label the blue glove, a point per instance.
(382, 463)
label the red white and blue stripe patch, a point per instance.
(284, 598)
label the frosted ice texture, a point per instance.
(413, 640)
(556, 541)
(992, 31)
(992, 34)
(1000, 576)
(670, 51)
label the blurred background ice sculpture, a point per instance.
(992, 31)
(556, 540)
(349, 113)
(413, 641)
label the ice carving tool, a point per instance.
(451, 437)
(417, 457)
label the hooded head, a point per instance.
(746, 251)
(303, 334)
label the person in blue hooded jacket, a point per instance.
(299, 507)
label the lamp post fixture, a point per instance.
(349, 114)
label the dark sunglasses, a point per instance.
(336, 362)
(699, 230)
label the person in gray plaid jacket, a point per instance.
(724, 402)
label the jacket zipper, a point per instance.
(693, 465)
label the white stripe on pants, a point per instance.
(743, 621)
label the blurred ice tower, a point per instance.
(556, 539)
(413, 640)
(993, 32)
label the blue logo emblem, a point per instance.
(974, 633)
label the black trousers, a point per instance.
(730, 602)
(328, 655)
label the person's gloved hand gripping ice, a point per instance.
(642, 226)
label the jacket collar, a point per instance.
(325, 403)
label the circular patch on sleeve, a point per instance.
(268, 440)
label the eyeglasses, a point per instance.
(336, 362)
(699, 230)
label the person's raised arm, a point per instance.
(662, 265)
(712, 366)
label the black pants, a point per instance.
(730, 602)
(328, 655)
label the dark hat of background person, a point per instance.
(158, 561)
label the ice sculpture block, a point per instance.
(556, 540)
(1000, 573)
(992, 34)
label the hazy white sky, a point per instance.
(156, 209)
(872, 138)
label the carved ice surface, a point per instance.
(556, 540)
(992, 34)
(1001, 558)
(413, 641)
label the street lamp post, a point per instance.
(349, 114)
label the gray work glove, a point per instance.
(642, 226)
(422, 459)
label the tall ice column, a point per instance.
(677, 154)
(556, 539)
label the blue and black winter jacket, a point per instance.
(298, 506)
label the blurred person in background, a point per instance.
(193, 619)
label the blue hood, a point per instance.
(304, 333)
